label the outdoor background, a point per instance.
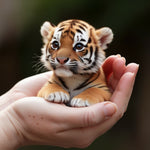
(20, 43)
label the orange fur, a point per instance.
(47, 89)
(94, 94)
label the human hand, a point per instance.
(33, 120)
(41, 122)
(24, 88)
(121, 80)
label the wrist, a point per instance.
(10, 138)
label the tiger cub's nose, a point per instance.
(62, 60)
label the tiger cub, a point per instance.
(74, 51)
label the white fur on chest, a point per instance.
(73, 82)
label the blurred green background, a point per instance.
(20, 44)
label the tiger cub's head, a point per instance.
(74, 47)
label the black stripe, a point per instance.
(80, 59)
(72, 33)
(96, 53)
(102, 86)
(89, 41)
(83, 40)
(54, 68)
(105, 88)
(85, 52)
(55, 82)
(82, 24)
(84, 84)
(50, 82)
(52, 24)
(94, 63)
(62, 25)
(86, 59)
(73, 22)
(62, 82)
(89, 59)
(71, 38)
(81, 27)
(47, 57)
(91, 52)
(95, 86)
(108, 90)
(78, 30)
(74, 69)
(67, 31)
(89, 68)
(60, 29)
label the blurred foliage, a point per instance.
(20, 44)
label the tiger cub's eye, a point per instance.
(78, 47)
(55, 45)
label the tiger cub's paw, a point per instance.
(85, 101)
(89, 97)
(54, 93)
(58, 97)
(79, 102)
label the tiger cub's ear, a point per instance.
(105, 36)
(46, 30)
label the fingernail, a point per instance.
(137, 68)
(118, 55)
(109, 110)
(123, 59)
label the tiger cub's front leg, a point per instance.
(91, 96)
(54, 93)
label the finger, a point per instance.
(91, 133)
(107, 65)
(87, 125)
(126, 82)
(33, 84)
(121, 97)
(123, 91)
(65, 116)
(37, 79)
(132, 67)
(88, 116)
(83, 137)
(118, 68)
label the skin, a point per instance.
(27, 119)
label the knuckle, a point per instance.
(90, 118)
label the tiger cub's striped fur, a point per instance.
(74, 50)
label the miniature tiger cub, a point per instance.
(73, 50)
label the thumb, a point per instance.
(90, 116)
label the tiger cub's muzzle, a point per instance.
(62, 60)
